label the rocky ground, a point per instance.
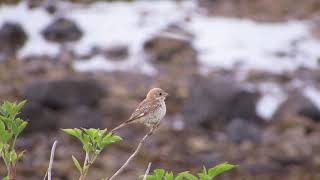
(212, 117)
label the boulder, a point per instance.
(12, 38)
(39, 118)
(170, 48)
(240, 130)
(298, 104)
(65, 93)
(118, 52)
(214, 101)
(62, 30)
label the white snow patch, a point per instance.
(272, 97)
(226, 43)
(33, 21)
(221, 42)
(313, 94)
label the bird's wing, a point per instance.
(144, 108)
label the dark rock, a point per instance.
(12, 38)
(82, 116)
(298, 104)
(240, 130)
(215, 101)
(40, 118)
(65, 93)
(165, 49)
(262, 168)
(117, 52)
(62, 30)
(285, 160)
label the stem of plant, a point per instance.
(12, 172)
(147, 171)
(85, 167)
(51, 159)
(132, 155)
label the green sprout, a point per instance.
(161, 174)
(10, 128)
(93, 141)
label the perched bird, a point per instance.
(150, 111)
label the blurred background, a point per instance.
(243, 78)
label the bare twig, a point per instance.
(147, 172)
(53, 149)
(132, 155)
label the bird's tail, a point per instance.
(120, 126)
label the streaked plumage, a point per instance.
(150, 111)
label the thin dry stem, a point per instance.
(53, 149)
(147, 171)
(132, 155)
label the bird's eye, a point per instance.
(160, 94)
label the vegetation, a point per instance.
(93, 142)
(161, 174)
(10, 129)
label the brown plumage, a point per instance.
(150, 111)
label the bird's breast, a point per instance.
(157, 115)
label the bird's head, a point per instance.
(157, 93)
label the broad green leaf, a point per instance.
(90, 132)
(21, 127)
(6, 136)
(111, 139)
(220, 168)
(73, 132)
(159, 173)
(77, 164)
(186, 175)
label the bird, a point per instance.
(150, 111)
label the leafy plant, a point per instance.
(10, 128)
(93, 141)
(161, 174)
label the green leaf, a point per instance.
(149, 177)
(13, 156)
(5, 178)
(203, 176)
(20, 155)
(77, 164)
(22, 125)
(220, 168)
(159, 173)
(21, 104)
(186, 175)
(6, 136)
(168, 176)
(73, 132)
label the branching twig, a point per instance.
(53, 149)
(147, 172)
(132, 155)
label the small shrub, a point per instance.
(10, 128)
(93, 141)
(161, 174)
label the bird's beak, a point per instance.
(166, 94)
